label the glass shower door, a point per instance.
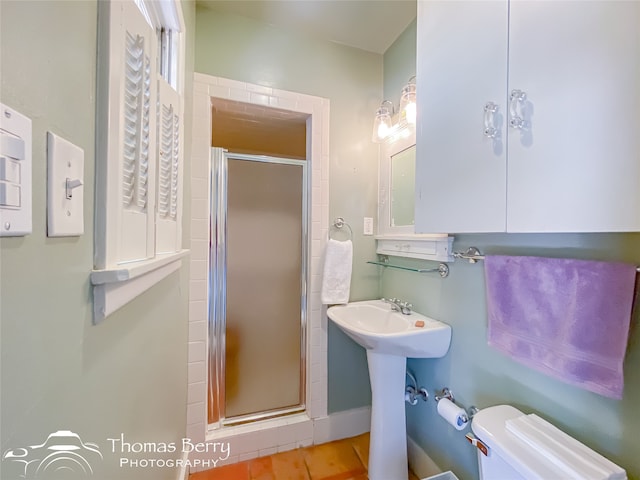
(260, 347)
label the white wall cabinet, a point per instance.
(528, 116)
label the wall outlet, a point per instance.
(368, 226)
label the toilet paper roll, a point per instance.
(452, 413)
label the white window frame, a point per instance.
(125, 263)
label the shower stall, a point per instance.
(258, 287)
(259, 227)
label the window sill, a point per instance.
(115, 287)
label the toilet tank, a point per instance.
(527, 447)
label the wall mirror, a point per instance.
(396, 196)
(396, 204)
(403, 187)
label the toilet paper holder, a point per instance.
(448, 394)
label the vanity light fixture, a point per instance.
(408, 103)
(384, 129)
(382, 123)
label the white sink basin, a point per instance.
(376, 327)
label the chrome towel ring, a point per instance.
(338, 226)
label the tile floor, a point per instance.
(340, 460)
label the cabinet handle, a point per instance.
(517, 97)
(489, 111)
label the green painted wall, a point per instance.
(59, 372)
(242, 49)
(400, 64)
(481, 376)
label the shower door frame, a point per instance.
(218, 288)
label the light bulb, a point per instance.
(381, 124)
(408, 104)
(383, 130)
(410, 113)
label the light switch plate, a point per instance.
(15, 173)
(65, 188)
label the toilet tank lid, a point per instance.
(537, 449)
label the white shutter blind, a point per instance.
(169, 169)
(137, 137)
(169, 156)
(135, 150)
(135, 188)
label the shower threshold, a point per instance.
(268, 415)
(265, 437)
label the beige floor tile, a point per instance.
(237, 471)
(333, 461)
(341, 460)
(261, 469)
(289, 465)
(361, 446)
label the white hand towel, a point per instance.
(336, 278)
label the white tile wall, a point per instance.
(260, 438)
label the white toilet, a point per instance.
(526, 447)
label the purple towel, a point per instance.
(566, 318)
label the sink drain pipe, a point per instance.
(412, 393)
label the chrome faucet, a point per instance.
(398, 305)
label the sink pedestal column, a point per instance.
(388, 438)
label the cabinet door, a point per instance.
(461, 65)
(576, 166)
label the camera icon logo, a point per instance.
(62, 455)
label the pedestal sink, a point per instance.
(389, 338)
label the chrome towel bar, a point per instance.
(473, 255)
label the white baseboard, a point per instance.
(183, 472)
(337, 426)
(419, 461)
